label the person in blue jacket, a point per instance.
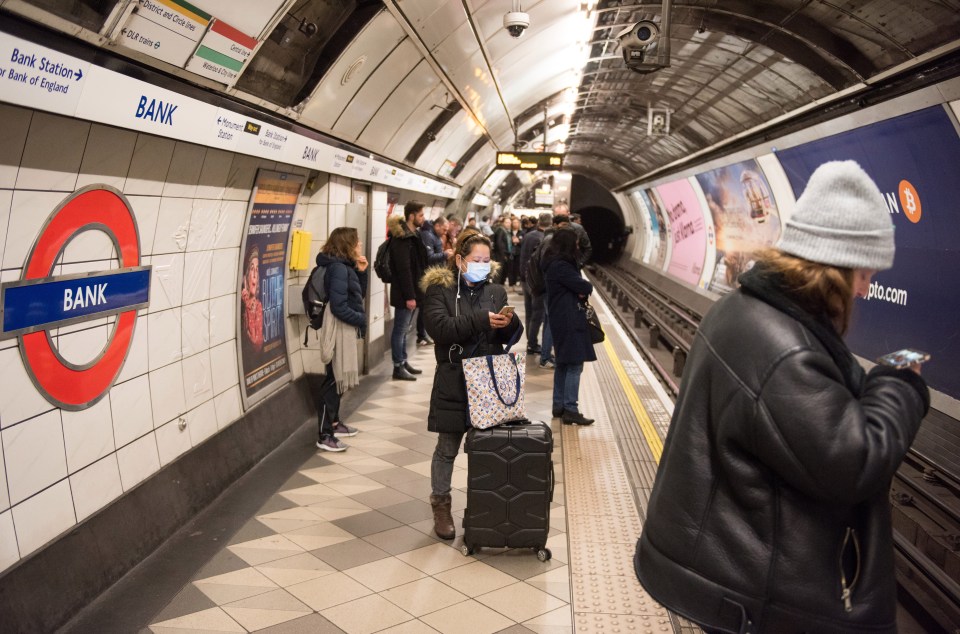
(566, 292)
(431, 233)
(345, 281)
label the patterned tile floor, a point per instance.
(346, 544)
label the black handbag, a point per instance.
(593, 323)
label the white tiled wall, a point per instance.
(59, 467)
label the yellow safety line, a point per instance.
(646, 425)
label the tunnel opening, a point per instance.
(601, 216)
(607, 232)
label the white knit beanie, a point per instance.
(841, 219)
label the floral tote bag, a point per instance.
(494, 388)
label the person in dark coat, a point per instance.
(461, 312)
(431, 233)
(533, 305)
(345, 282)
(501, 248)
(408, 260)
(770, 509)
(566, 292)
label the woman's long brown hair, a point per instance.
(820, 289)
(341, 243)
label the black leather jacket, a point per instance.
(770, 509)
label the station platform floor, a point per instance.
(311, 541)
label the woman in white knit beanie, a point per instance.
(769, 512)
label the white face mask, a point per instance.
(477, 271)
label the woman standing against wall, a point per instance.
(345, 280)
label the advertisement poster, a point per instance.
(658, 257)
(745, 217)
(687, 230)
(262, 337)
(913, 159)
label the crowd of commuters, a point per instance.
(769, 511)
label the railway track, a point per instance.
(924, 495)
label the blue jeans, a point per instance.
(441, 468)
(546, 342)
(566, 386)
(398, 340)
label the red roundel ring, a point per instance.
(107, 211)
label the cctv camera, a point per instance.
(639, 44)
(516, 22)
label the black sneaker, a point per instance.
(575, 418)
(412, 370)
(533, 350)
(400, 374)
(557, 412)
(424, 342)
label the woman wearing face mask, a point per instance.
(461, 314)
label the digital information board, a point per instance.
(529, 161)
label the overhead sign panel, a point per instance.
(222, 53)
(529, 161)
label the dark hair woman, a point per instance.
(566, 292)
(251, 307)
(461, 313)
(345, 281)
(769, 512)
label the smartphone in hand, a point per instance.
(904, 358)
(507, 311)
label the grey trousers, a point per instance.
(441, 469)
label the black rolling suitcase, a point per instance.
(509, 487)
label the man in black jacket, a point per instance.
(408, 260)
(533, 305)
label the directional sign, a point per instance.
(40, 301)
(39, 77)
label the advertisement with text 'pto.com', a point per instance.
(916, 304)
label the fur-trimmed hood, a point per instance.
(397, 227)
(446, 277)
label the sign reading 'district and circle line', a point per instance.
(39, 302)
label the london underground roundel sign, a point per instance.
(39, 302)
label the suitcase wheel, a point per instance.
(543, 554)
(466, 550)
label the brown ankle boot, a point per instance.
(442, 520)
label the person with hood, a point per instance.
(345, 282)
(566, 292)
(770, 509)
(408, 260)
(461, 313)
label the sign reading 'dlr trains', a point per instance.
(39, 301)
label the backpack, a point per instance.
(381, 263)
(315, 299)
(535, 281)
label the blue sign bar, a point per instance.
(31, 305)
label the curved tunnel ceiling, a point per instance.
(440, 85)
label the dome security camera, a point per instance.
(516, 22)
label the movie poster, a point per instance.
(688, 233)
(744, 215)
(262, 337)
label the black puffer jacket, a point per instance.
(408, 259)
(460, 329)
(771, 496)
